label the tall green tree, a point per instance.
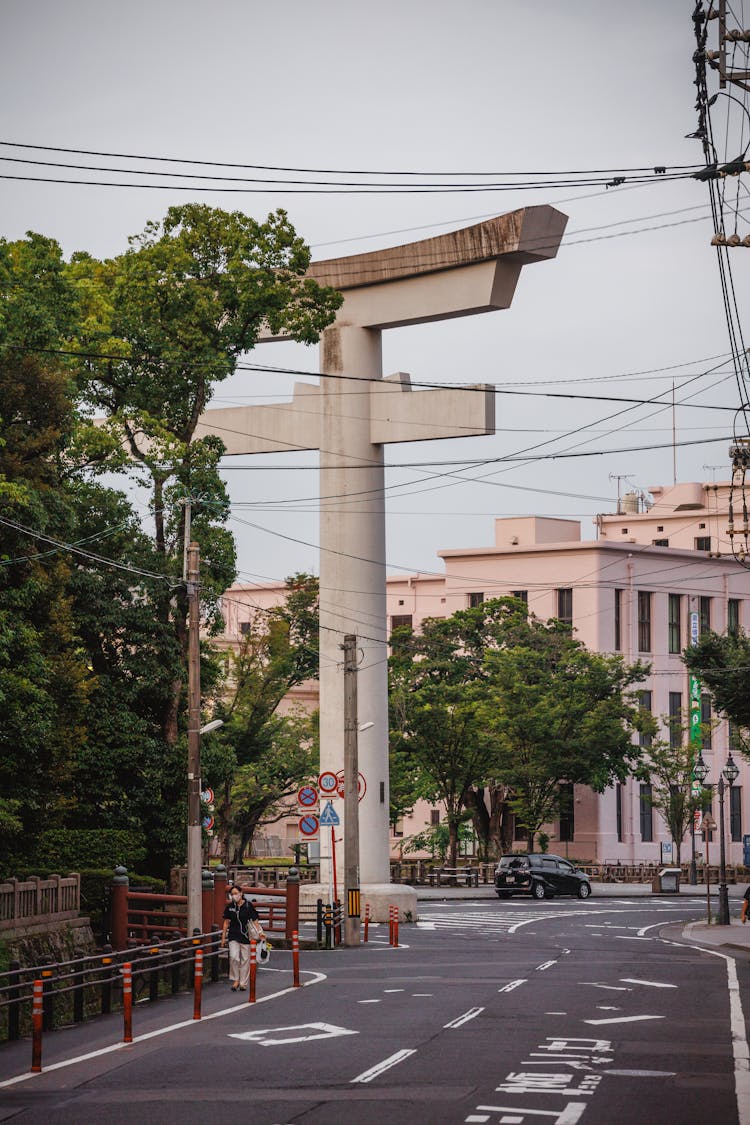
(435, 690)
(264, 753)
(174, 314)
(44, 681)
(669, 771)
(721, 662)
(559, 715)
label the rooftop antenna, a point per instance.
(713, 469)
(619, 477)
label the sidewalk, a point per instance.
(598, 891)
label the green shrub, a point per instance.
(76, 849)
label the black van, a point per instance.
(540, 876)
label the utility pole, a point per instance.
(194, 850)
(351, 794)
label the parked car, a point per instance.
(540, 876)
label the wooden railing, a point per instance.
(140, 916)
(38, 901)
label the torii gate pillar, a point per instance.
(349, 420)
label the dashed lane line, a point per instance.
(383, 1065)
(459, 1021)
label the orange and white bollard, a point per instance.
(366, 935)
(37, 1019)
(253, 972)
(395, 927)
(295, 958)
(390, 925)
(198, 984)
(127, 1002)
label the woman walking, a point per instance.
(241, 926)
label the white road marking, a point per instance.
(642, 1073)
(545, 965)
(631, 937)
(394, 990)
(647, 983)
(555, 1013)
(740, 1048)
(656, 925)
(511, 985)
(477, 1118)
(320, 1031)
(607, 987)
(607, 1008)
(368, 1001)
(571, 1115)
(317, 978)
(386, 1064)
(459, 1021)
(623, 1019)
(422, 994)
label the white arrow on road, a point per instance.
(320, 1031)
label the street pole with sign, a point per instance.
(351, 795)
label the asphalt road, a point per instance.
(510, 1013)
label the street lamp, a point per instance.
(728, 777)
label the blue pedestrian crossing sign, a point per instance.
(329, 818)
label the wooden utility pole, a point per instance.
(194, 850)
(351, 794)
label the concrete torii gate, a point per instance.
(349, 417)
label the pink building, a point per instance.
(631, 591)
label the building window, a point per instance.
(475, 598)
(645, 704)
(522, 595)
(618, 620)
(647, 814)
(660, 527)
(673, 623)
(644, 621)
(705, 614)
(245, 628)
(705, 721)
(659, 542)
(565, 606)
(618, 810)
(399, 620)
(567, 813)
(703, 543)
(520, 832)
(434, 817)
(675, 718)
(733, 617)
(398, 827)
(735, 812)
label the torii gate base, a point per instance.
(349, 417)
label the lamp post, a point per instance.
(700, 773)
(727, 778)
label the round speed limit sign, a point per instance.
(328, 782)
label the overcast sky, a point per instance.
(418, 85)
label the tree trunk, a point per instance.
(452, 841)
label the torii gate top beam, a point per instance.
(456, 274)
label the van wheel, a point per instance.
(538, 891)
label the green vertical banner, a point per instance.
(695, 733)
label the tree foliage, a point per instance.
(722, 664)
(267, 753)
(93, 639)
(494, 698)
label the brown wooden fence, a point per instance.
(38, 901)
